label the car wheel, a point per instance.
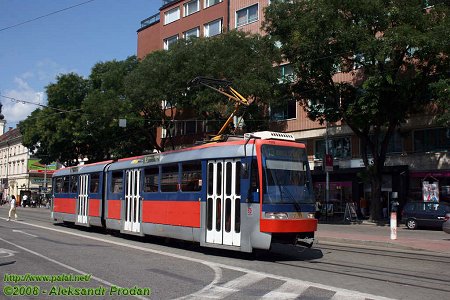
(411, 224)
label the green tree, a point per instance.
(53, 133)
(246, 60)
(103, 106)
(394, 50)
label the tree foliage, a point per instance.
(394, 50)
(246, 60)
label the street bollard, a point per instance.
(393, 225)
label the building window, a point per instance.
(170, 41)
(209, 3)
(194, 32)
(247, 15)
(287, 74)
(436, 139)
(191, 7)
(171, 15)
(285, 111)
(213, 28)
(338, 147)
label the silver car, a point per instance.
(446, 224)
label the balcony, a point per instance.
(150, 20)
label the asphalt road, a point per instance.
(178, 270)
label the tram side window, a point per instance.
(60, 185)
(151, 176)
(255, 177)
(95, 181)
(191, 176)
(73, 184)
(116, 182)
(169, 178)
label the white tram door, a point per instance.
(82, 207)
(223, 203)
(132, 201)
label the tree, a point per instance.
(394, 50)
(246, 60)
(53, 133)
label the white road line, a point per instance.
(214, 266)
(23, 232)
(288, 290)
(65, 266)
(235, 285)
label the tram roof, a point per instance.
(207, 151)
(90, 168)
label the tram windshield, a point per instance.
(287, 179)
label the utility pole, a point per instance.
(327, 180)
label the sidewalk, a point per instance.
(379, 235)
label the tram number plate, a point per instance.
(249, 211)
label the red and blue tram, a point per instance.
(242, 194)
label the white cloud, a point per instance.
(18, 109)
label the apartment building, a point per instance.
(20, 173)
(418, 155)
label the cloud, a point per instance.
(18, 110)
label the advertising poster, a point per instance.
(430, 191)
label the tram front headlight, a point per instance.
(276, 215)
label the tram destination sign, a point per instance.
(152, 158)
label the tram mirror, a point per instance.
(244, 171)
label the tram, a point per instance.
(242, 194)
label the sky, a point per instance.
(67, 36)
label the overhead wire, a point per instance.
(46, 15)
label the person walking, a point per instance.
(12, 202)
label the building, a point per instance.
(20, 173)
(418, 158)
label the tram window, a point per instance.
(117, 182)
(66, 186)
(237, 216)
(229, 171)
(255, 177)
(59, 183)
(151, 177)
(210, 178)
(73, 184)
(237, 189)
(219, 179)
(227, 215)
(169, 178)
(95, 181)
(218, 215)
(209, 207)
(191, 176)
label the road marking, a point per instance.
(4, 253)
(64, 265)
(224, 290)
(23, 232)
(289, 290)
(216, 267)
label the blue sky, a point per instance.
(74, 40)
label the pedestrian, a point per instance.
(384, 206)
(12, 202)
(24, 200)
(318, 210)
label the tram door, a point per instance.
(82, 205)
(223, 223)
(132, 201)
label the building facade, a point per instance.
(19, 173)
(418, 155)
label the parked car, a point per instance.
(446, 224)
(426, 214)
